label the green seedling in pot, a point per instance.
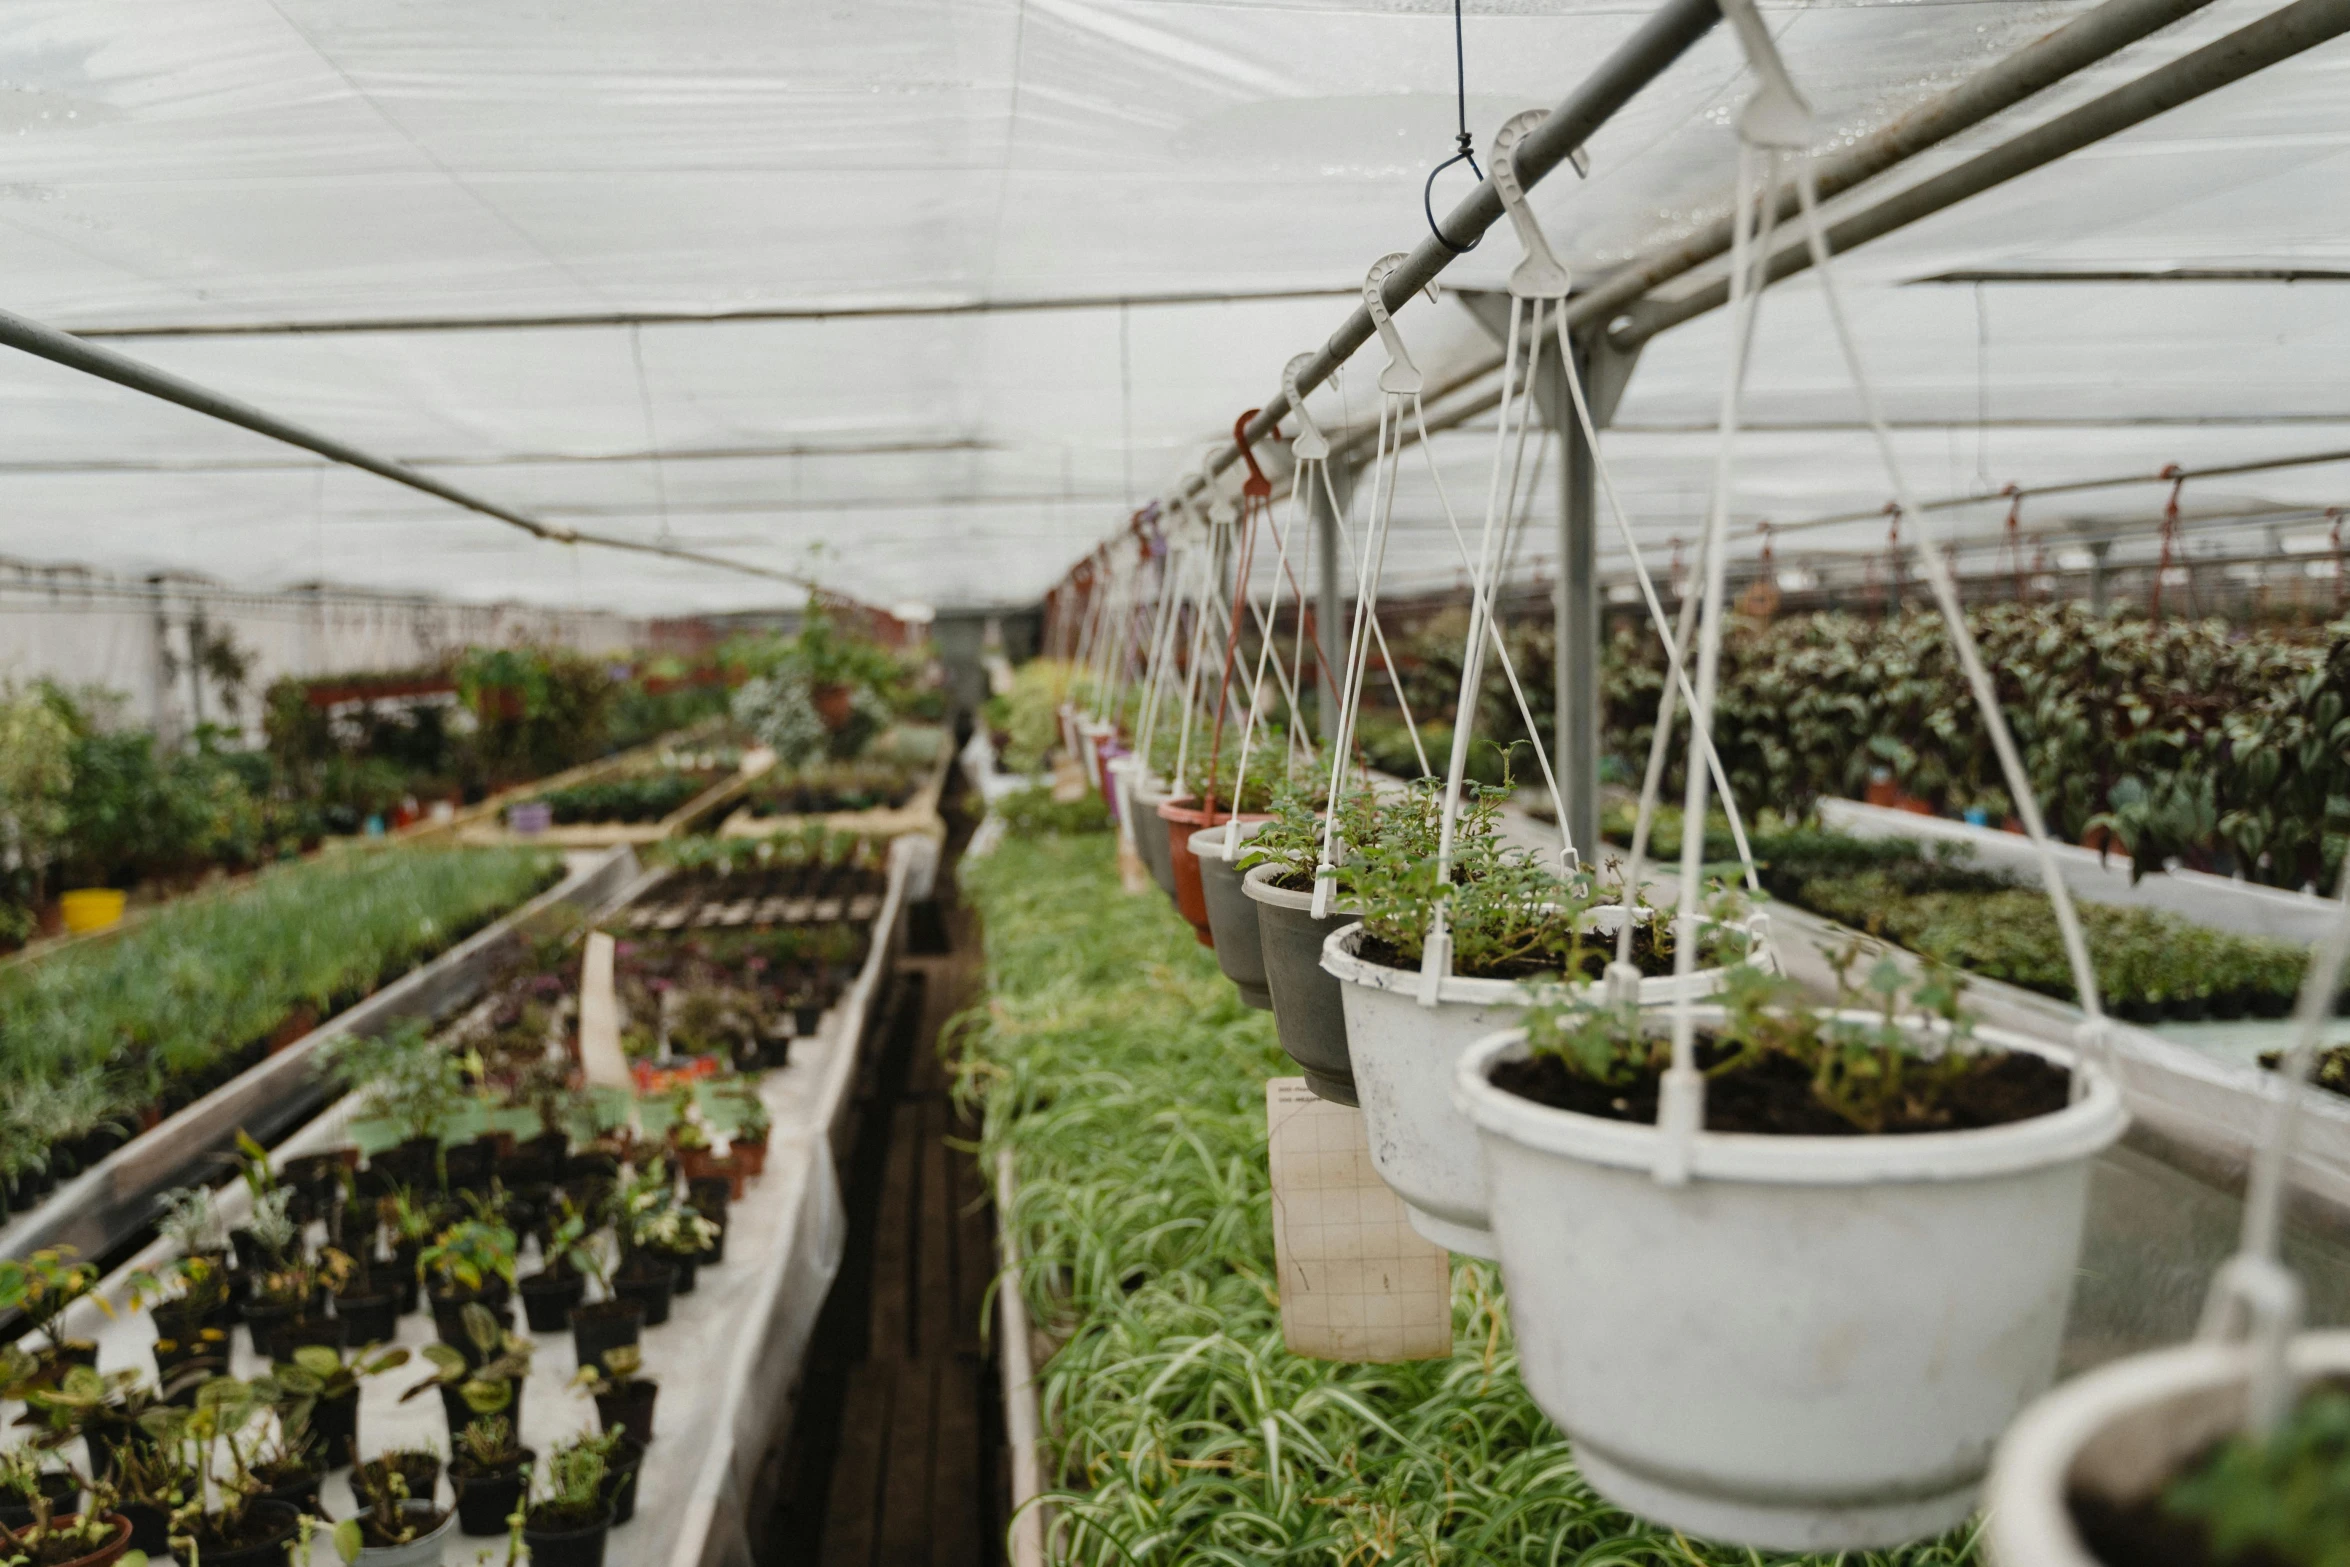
(487, 1389)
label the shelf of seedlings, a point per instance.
(892, 789)
(491, 810)
(654, 799)
(571, 1311)
(204, 1023)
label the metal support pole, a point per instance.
(2100, 584)
(1330, 607)
(2277, 37)
(1576, 753)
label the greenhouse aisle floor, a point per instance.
(896, 1457)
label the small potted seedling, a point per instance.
(95, 1537)
(392, 1527)
(28, 1491)
(419, 1469)
(331, 1383)
(1935, 1171)
(152, 1480)
(566, 1518)
(623, 1398)
(748, 1126)
(660, 1232)
(189, 1217)
(409, 1222)
(41, 1287)
(109, 1411)
(486, 1381)
(471, 1263)
(550, 1295)
(237, 1524)
(489, 1467)
(188, 1297)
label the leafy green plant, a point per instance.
(41, 1287)
(1034, 813)
(567, 1491)
(162, 1012)
(2285, 1499)
(487, 1382)
(402, 1075)
(467, 1256)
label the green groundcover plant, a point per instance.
(1118, 1068)
(95, 1033)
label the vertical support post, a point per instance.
(1576, 673)
(1329, 600)
(2100, 587)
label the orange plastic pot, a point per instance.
(1184, 816)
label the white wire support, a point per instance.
(1266, 619)
(1681, 1092)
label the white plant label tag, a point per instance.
(1358, 1283)
(599, 1016)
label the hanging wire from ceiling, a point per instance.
(644, 402)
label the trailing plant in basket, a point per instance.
(2280, 1501)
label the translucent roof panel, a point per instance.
(713, 271)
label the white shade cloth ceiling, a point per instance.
(252, 163)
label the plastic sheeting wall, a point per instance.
(233, 165)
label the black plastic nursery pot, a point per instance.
(369, 1319)
(268, 1525)
(470, 1165)
(265, 1326)
(619, 1487)
(650, 1285)
(61, 1488)
(405, 1283)
(486, 1500)
(335, 1422)
(548, 1300)
(606, 1325)
(298, 1491)
(150, 1528)
(630, 1406)
(565, 1542)
(686, 1265)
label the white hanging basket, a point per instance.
(1404, 1055)
(2122, 1432)
(1815, 1341)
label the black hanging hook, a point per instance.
(1460, 79)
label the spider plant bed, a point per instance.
(1115, 1065)
(2146, 1463)
(102, 1039)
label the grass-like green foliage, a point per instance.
(159, 1011)
(1126, 1079)
(1034, 813)
(2285, 1499)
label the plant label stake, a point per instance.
(1358, 1283)
(599, 1016)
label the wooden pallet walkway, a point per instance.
(896, 1457)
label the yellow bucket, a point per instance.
(91, 908)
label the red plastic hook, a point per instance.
(1256, 486)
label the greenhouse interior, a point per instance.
(967, 728)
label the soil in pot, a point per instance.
(608, 1324)
(630, 1406)
(566, 1536)
(548, 1299)
(649, 1284)
(257, 1540)
(419, 1470)
(1775, 1096)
